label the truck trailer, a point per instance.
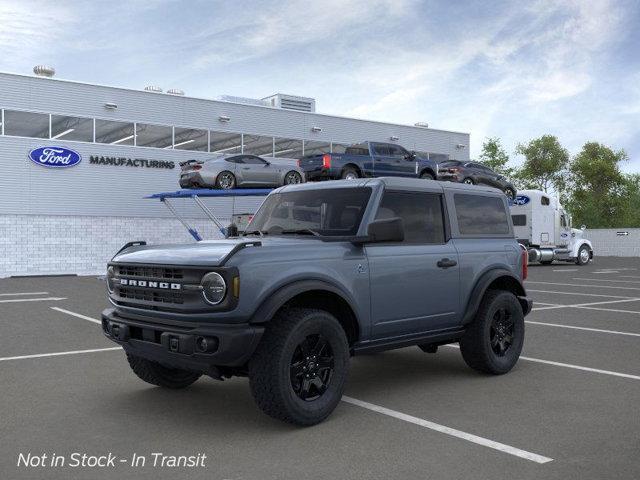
(543, 226)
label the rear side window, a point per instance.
(421, 214)
(480, 215)
(381, 149)
(519, 220)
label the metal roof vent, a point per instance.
(422, 124)
(175, 91)
(292, 102)
(153, 88)
(44, 71)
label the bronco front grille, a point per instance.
(150, 295)
(150, 272)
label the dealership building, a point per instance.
(129, 144)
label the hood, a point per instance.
(577, 233)
(211, 253)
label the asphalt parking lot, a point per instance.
(568, 410)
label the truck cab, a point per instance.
(543, 226)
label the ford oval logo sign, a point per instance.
(55, 157)
(521, 200)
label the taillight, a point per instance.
(525, 262)
(326, 161)
(454, 170)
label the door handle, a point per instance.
(246, 168)
(446, 263)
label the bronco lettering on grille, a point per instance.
(148, 284)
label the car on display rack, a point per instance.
(543, 226)
(474, 173)
(242, 170)
(368, 159)
(325, 271)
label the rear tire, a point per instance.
(157, 374)
(494, 340)
(225, 180)
(299, 369)
(349, 173)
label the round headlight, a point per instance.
(111, 273)
(214, 288)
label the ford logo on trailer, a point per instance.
(521, 200)
(55, 157)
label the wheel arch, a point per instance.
(578, 245)
(428, 170)
(495, 279)
(312, 294)
(354, 166)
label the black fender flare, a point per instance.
(486, 279)
(283, 294)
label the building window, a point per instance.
(258, 145)
(312, 147)
(338, 147)
(224, 142)
(114, 133)
(26, 124)
(287, 148)
(72, 128)
(191, 139)
(157, 136)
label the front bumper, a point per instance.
(449, 177)
(179, 345)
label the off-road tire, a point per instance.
(349, 172)
(579, 260)
(157, 374)
(476, 346)
(271, 365)
(427, 176)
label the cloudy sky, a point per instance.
(515, 70)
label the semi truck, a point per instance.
(543, 226)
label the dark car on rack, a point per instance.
(474, 173)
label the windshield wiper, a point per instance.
(301, 231)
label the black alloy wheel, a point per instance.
(501, 332)
(311, 367)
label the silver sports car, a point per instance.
(232, 171)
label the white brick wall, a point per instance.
(50, 245)
(607, 243)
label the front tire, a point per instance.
(157, 374)
(427, 176)
(494, 340)
(468, 181)
(584, 255)
(225, 180)
(299, 369)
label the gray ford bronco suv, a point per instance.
(324, 272)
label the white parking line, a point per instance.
(84, 317)
(44, 299)
(22, 293)
(579, 285)
(573, 327)
(565, 270)
(605, 280)
(628, 276)
(580, 294)
(57, 354)
(485, 442)
(581, 305)
(569, 365)
(609, 310)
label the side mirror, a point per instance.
(583, 227)
(386, 230)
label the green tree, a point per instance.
(631, 200)
(599, 192)
(495, 157)
(545, 164)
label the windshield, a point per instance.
(325, 211)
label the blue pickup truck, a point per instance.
(368, 159)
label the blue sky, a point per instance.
(515, 70)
